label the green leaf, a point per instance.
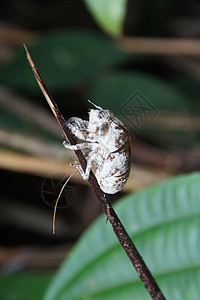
(163, 222)
(63, 58)
(109, 14)
(23, 286)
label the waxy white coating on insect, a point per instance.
(108, 141)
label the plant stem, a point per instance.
(123, 237)
(160, 46)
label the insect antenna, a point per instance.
(56, 205)
(98, 107)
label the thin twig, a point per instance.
(23, 107)
(123, 237)
(30, 144)
(15, 37)
(29, 164)
(160, 46)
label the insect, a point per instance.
(103, 135)
(108, 142)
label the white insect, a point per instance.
(105, 136)
(108, 142)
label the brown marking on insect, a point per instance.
(110, 157)
(123, 174)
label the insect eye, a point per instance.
(102, 129)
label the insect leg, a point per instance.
(77, 146)
(78, 127)
(79, 168)
(86, 174)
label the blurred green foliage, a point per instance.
(108, 14)
(113, 89)
(64, 57)
(23, 286)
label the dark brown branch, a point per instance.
(123, 237)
